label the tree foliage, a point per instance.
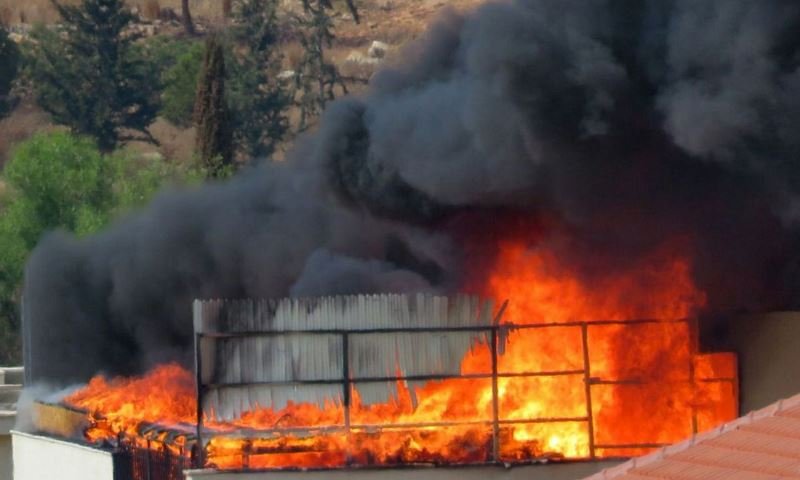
(213, 141)
(60, 181)
(317, 77)
(259, 100)
(180, 86)
(9, 64)
(163, 51)
(92, 77)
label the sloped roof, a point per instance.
(763, 445)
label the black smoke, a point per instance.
(623, 123)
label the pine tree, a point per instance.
(91, 77)
(259, 100)
(213, 141)
(9, 59)
(317, 78)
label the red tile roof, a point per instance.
(763, 445)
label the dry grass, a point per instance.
(292, 55)
(152, 9)
(35, 11)
(20, 125)
(6, 15)
(177, 144)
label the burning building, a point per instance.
(400, 380)
(622, 172)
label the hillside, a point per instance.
(393, 22)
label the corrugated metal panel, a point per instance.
(297, 348)
(284, 358)
(229, 403)
(412, 353)
(352, 312)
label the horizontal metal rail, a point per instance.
(340, 428)
(466, 376)
(477, 328)
(410, 378)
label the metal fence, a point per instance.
(149, 462)
(495, 333)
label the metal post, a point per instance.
(147, 461)
(246, 449)
(495, 400)
(180, 464)
(199, 460)
(587, 385)
(346, 391)
(494, 339)
(694, 348)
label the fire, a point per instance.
(601, 383)
(166, 393)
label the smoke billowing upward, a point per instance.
(616, 123)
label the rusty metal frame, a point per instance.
(495, 332)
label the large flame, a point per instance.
(648, 386)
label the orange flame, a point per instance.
(607, 388)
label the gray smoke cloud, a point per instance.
(622, 122)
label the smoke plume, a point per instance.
(616, 123)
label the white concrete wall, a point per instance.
(44, 458)
(551, 471)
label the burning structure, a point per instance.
(396, 380)
(623, 172)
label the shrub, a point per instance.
(9, 59)
(91, 76)
(180, 86)
(60, 181)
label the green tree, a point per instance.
(163, 51)
(55, 182)
(60, 181)
(9, 60)
(213, 142)
(258, 99)
(91, 76)
(317, 77)
(180, 86)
